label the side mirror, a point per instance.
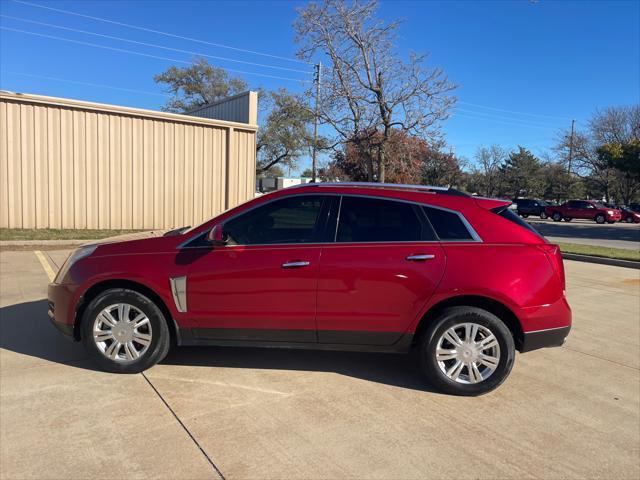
(216, 236)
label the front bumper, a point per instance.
(61, 310)
(552, 337)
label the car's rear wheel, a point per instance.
(567, 219)
(557, 217)
(600, 218)
(524, 215)
(467, 351)
(124, 331)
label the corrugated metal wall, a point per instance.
(239, 108)
(69, 164)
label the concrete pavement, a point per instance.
(570, 412)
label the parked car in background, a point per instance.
(628, 215)
(345, 266)
(526, 207)
(635, 207)
(584, 209)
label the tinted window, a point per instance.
(448, 225)
(512, 217)
(573, 204)
(374, 220)
(290, 220)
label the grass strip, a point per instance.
(57, 234)
(597, 251)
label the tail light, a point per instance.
(555, 258)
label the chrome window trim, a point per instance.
(475, 237)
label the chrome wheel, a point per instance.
(468, 353)
(122, 332)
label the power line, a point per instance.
(503, 122)
(123, 50)
(513, 111)
(159, 32)
(86, 32)
(77, 82)
(502, 117)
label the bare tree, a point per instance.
(487, 165)
(613, 125)
(368, 89)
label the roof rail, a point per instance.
(396, 186)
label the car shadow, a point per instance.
(26, 329)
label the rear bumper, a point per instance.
(61, 310)
(552, 337)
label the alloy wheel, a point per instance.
(468, 353)
(122, 332)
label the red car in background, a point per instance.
(629, 215)
(584, 209)
(388, 268)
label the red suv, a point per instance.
(346, 266)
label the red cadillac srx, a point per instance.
(345, 266)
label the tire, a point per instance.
(525, 215)
(433, 368)
(149, 352)
(556, 217)
(567, 219)
(600, 219)
(628, 220)
(611, 222)
(543, 216)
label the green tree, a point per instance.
(521, 174)
(285, 135)
(196, 85)
(625, 159)
(284, 118)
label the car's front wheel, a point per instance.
(600, 219)
(557, 217)
(466, 351)
(124, 331)
(543, 215)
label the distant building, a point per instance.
(270, 184)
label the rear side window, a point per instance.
(374, 220)
(504, 212)
(448, 225)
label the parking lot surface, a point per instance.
(570, 412)
(617, 235)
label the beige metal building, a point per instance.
(73, 164)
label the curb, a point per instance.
(601, 260)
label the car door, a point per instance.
(262, 284)
(383, 267)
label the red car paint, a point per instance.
(349, 293)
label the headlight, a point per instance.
(610, 212)
(77, 254)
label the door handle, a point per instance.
(420, 257)
(295, 264)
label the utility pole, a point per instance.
(573, 123)
(315, 123)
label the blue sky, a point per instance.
(524, 69)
